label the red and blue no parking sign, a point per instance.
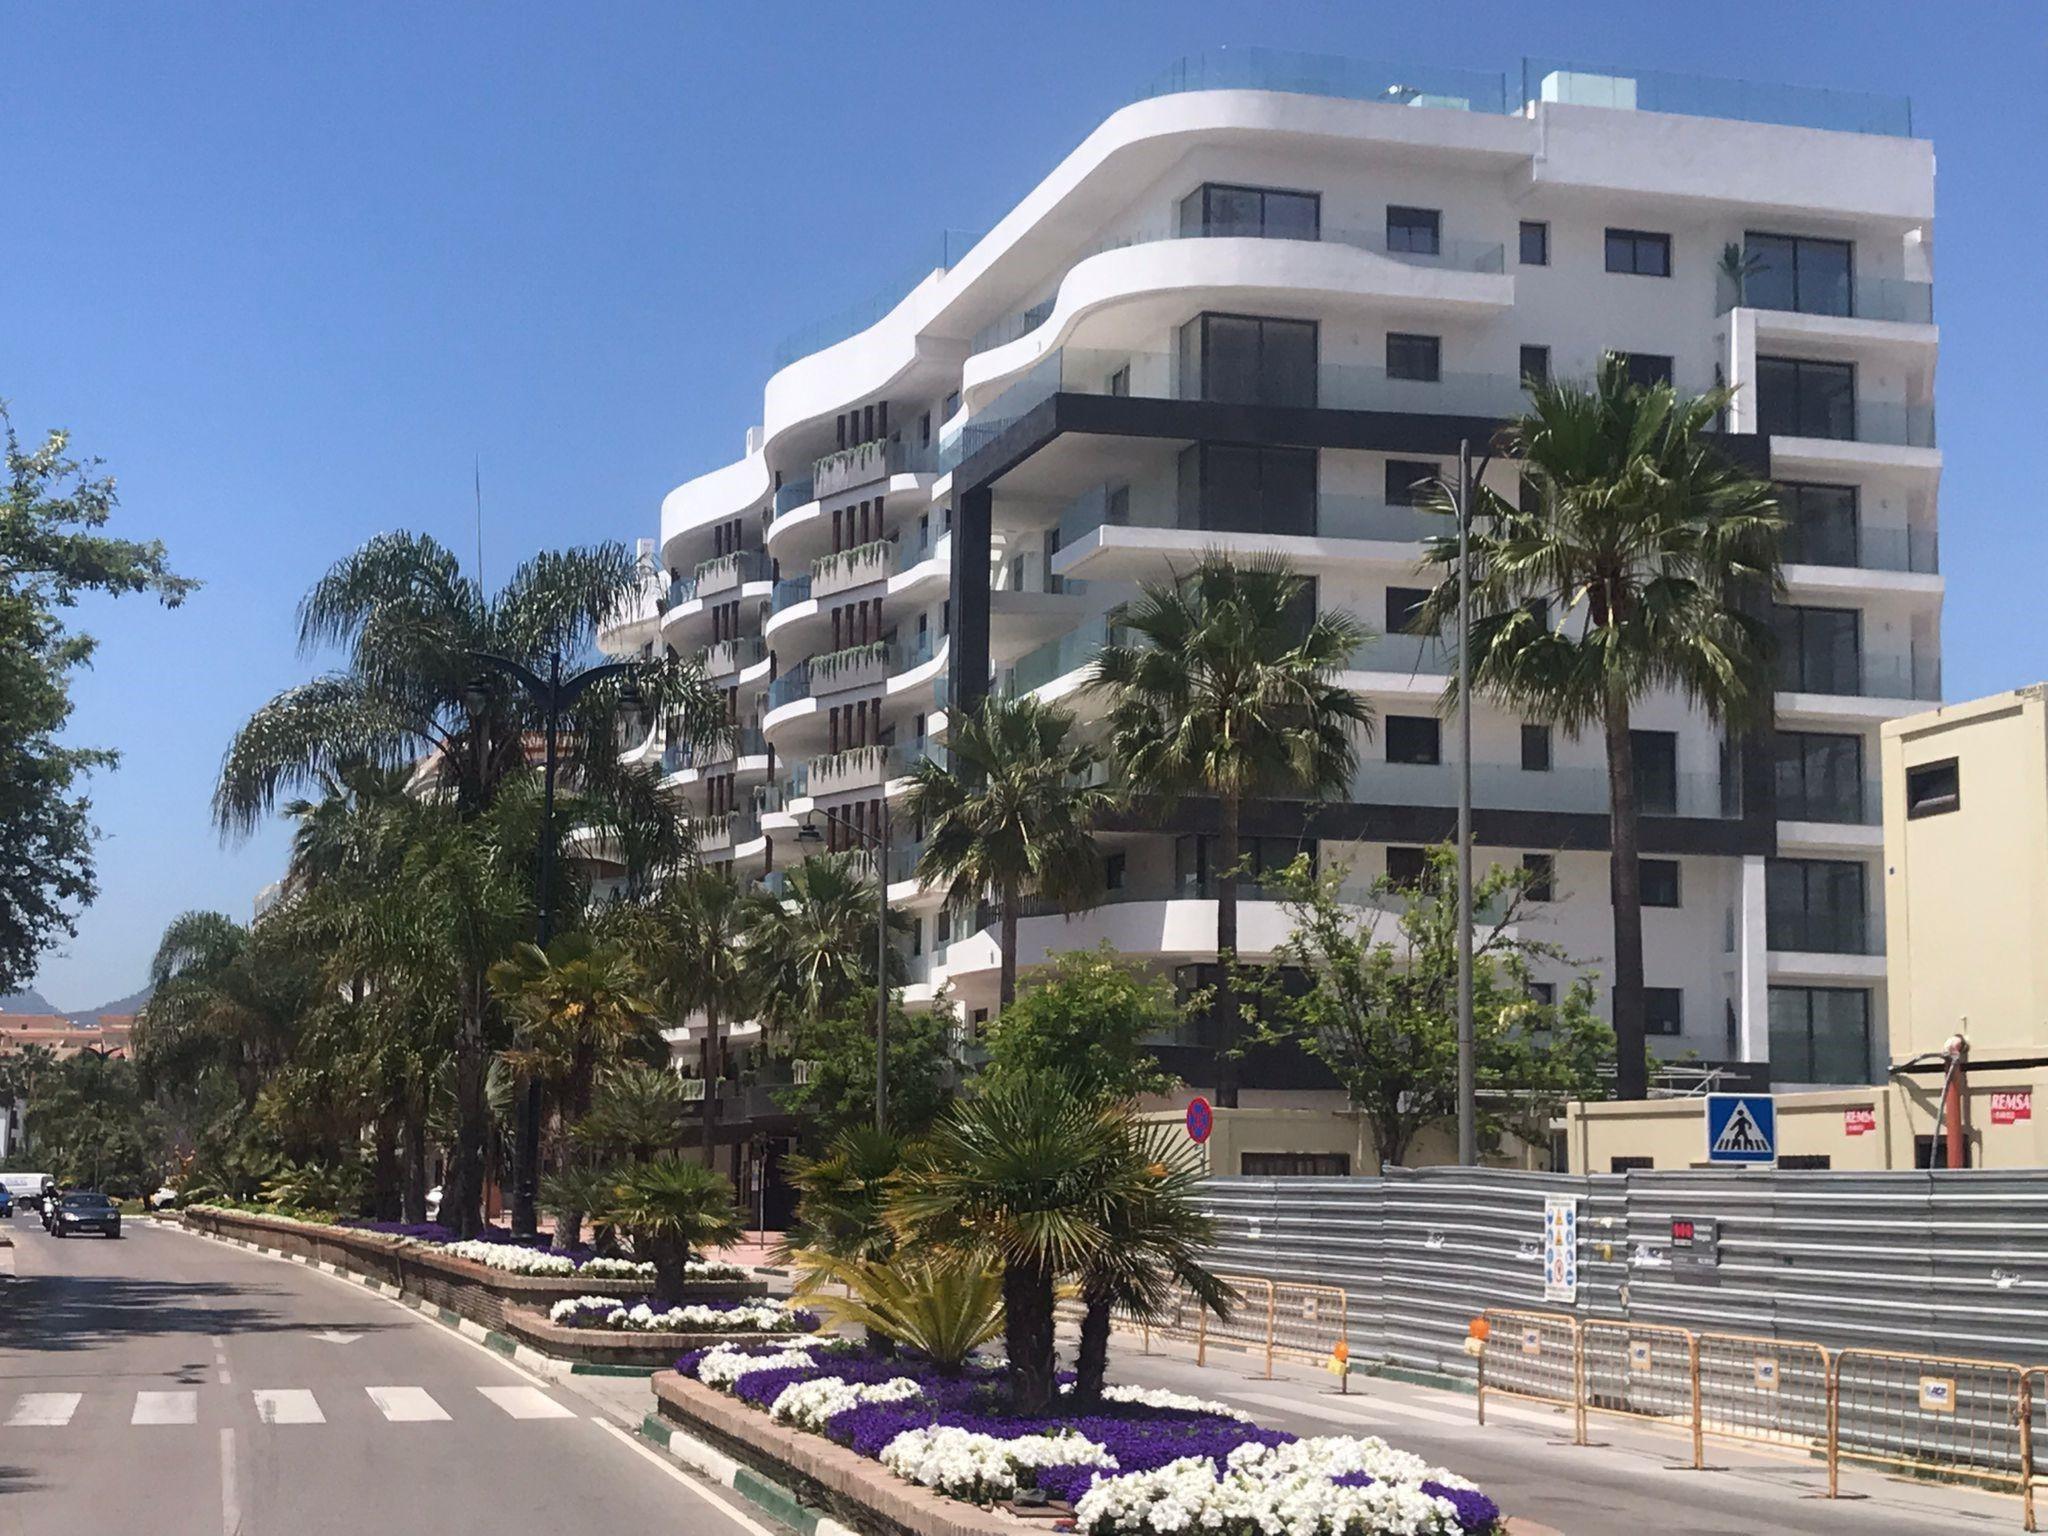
(1201, 1120)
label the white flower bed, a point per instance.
(1159, 1397)
(981, 1467)
(725, 1365)
(511, 1259)
(808, 1404)
(694, 1317)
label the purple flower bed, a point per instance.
(1138, 1437)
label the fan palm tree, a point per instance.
(410, 691)
(1018, 1178)
(815, 942)
(1010, 815)
(670, 1207)
(1231, 691)
(1645, 562)
(693, 941)
(844, 1196)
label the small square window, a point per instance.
(1418, 358)
(1413, 739)
(1408, 481)
(1933, 789)
(1535, 365)
(1630, 1163)
(1663, 1010)
(1404, 607)
(1543, 993)
(1646, 370)
(1638, 253)
(1113, 872)
(1418, 231)
(1535, 243)
(1405, 867)
(1659, 881)
(1541, 868)
(1535, 749)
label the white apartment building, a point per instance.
(1248, 312)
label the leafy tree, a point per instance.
(840, 1047)
(1231, 690)
(411, 691)
(1381, 1011)
(1640, 558)
(96, 1128)
(51, 553)
(1009, 815)
(1094, 1015)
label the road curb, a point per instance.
(769, 1497)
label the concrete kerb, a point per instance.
(766, 1495)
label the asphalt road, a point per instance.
(163, 1385)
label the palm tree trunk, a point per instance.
(1006, 989)
(1091, 1365)
(712, 1067)
(1027, 1333)
(1227, 850)
(670, 1257)
(414, 1208)
(462, 1198)
(1631, 1066)
(385, 1193)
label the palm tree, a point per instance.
(411, 692)
(670, 1207)
(1010, 815)
(815, 942)
(844, 1197)
(693, 942)
(1232, 691)
(1645, 561)
(223, 998)
(1018, 1178)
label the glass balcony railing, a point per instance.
(1312, 74)
(912, 552)
(792, 685)
(1843, 419)
(869, 461)
(793, 494)
(1912, 550)
(1863, 298)
(1408, 655)
(1157, 376)
(745, 741)
(1067, 653)
(1446, 255)
(724, 571)
(681, 589)
(1871, 676)
(1745, 101)
(1849, 805)
(1509, 787)
(729, 656)
(1332, 516)
(790, 591)
(855, 318)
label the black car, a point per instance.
(87, 1213)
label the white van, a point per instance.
(27, 1189)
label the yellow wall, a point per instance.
(1237, 1131)
(1966, 892)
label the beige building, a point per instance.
(1965, 790)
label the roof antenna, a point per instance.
(477, 471)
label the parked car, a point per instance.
(87, 1211)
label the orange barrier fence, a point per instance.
(1537, 1356)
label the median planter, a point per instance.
(475, 1291)
(621, 1347)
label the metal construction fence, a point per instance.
(1897, 1320)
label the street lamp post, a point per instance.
(880, 843)
(554, 694)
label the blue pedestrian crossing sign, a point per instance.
(1742, 1128)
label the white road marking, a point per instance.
(166, 1408)
(667, 1465)
(335, 1335)
(230, 1501)
(44, 1410)
(406, 1405)
(527, 1403)
(289, 1405)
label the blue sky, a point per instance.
(291, 269)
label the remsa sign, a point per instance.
(2012, 1106)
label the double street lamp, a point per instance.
(554, 694)
(879, 841)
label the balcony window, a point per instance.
(1638, 253)
(1819, 650)
(1245, 360)
(1196, 859)
(1657, 880)
(1237, 488)
(1535, 749)
(1820, 1034)
(1260, 213)
(1404, 608)
(1816, 906)
(1820, 524)
(1535, 243)
(1417, 358)
(1820, 777)
(1409, 481)
(1656, 758)
(1797, 272)
(1541, 868)
(1798, 397)
(1418, 231)
(1535, 365)
(1414, 739)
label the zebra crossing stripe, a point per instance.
(406, 1405)
(44, 1410)
(165, 1408)
(291, 1405)
(527, 1403)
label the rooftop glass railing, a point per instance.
(858, 316)
(1688, 95)
(1313, 74)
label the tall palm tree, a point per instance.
(1231, 691)
(1010, 815)
(815, 942)
(692, 940)
(1645, 560)
(223, 998)
(576, 1007)
(411, 692)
